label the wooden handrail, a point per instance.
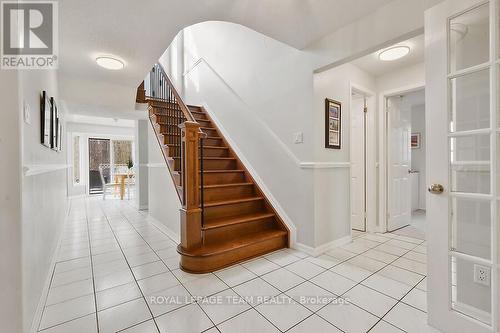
(178, 99)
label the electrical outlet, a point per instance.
(482, 275)
(298, 137)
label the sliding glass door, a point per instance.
(99, 154)
(112, 156)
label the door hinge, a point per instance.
(365, 110)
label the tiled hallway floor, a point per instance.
(116, 271)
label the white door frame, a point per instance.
(383, 151)
(370, 159)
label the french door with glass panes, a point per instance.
(462, 59)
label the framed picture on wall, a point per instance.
(333, 111)
(415, 140)
(54, 124)
(45, 120)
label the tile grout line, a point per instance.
(52, 277)
(336, 296)
(360, 282)
(92, 266)
(154, 251)
(145, 223)
(229, 288)
(128, 264)
(324, 270)
(398, 302)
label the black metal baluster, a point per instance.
(202, 185)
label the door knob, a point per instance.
(436, 188)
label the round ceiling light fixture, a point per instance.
(394, 53)
(109, 62)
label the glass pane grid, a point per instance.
(470, 102)
(467, 297)
(469, 35)
(473, 132)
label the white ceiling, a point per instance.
(414, 98)
(139, 31)
(373, 65)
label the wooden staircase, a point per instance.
(225, 217)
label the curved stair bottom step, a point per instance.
(210, 258)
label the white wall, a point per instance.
(332, 186)
(10, 205)
(418, 155)
(163, 202)
(44, 199)
(141, 162)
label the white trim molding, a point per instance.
(316, 251)
(324, 165)
(38, 169)
(155, 165)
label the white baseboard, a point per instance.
(169, 232)
(46, 286)
(316, 251)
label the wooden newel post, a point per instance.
(190, 211)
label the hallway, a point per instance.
(114, 260)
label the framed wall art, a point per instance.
(415, 140)
(54, 124)
(333, 111)
(45, 120)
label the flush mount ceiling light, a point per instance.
(109, 62)
(394, 53)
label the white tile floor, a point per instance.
(117, 272)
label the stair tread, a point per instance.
(209, 158)
(227, 185)
(218, 171)
(227, 221)
(207, 147)
(232, 201)
(222, 171)
(233, 244)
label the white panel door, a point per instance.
(399, 162)
(462, 138)
(358, 147)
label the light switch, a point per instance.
(27, 113)
(298, 137)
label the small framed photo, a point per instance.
(333, 114)
(334, 138)
(415, 140)
(54, 124)
(45, 120)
